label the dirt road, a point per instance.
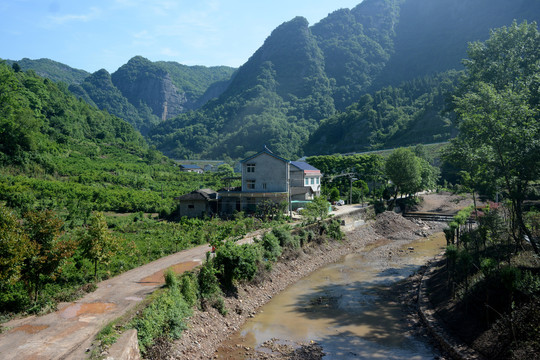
(69, 332)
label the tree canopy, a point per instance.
(499, 112)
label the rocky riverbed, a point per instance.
(208, 330)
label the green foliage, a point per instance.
(316, 210)
(334, 194)
(47, 250)
(271, 245)
(15, 248)
(498, 107)
(285, 238)
(53, 70)
(237, 262)
(402, 168)
(171, 280)
(165, 316)
(334, 230)
(189, 288)
(392, 116)
(97, 244)
(208, 281)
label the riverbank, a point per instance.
(207, 331)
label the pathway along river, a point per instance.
(346, 307)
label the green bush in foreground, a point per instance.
(188, 288)
(237, 262)
(271, 246)
(165, 316)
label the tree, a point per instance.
(47, 251)
(403, 169)
(97, 243)
(225, 170)
(499, 112)
(15, 247)
(334, 194)
(316, 210)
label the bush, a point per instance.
(208, 281)
(271, 246)
(237, 262)
(171, 280)
(286, 240)
(188, 288)
(165, 316)
(334, 230)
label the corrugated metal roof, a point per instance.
(302, 165)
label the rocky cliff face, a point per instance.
(142, 81)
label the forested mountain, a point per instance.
(58, 152)
(40, 119)
(141, 92)
(379, 63)
(276, 98)
(406, 115)
(364, 78)
(432, 35)
(52, 70)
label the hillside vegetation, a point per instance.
(375, 76)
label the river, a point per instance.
(347, 307)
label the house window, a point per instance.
(307, 181)
(250, 184)
(191, 206)
(264, 186)
(250, 168)
(318, 181)
(312, 181)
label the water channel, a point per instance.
(347, 307)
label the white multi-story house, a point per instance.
(266, 176)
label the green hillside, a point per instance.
(276, 98)
(58, 152)
(383, 66)
(371, 77)
(52, 70)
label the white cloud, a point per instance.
(92, 14)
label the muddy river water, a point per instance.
(347, 307)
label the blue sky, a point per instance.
(95, 34)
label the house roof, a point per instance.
(265, 151)
(202, 194)
(302, 165)
(190, 166)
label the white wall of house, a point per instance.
(313, 181)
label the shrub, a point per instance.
(237, 262)
(488, 267)
(188, 288)
(219, 305)
(207, 279)
(286, 240)
(334, 230)
(271, 246)
(171, 280)
(165, 316)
